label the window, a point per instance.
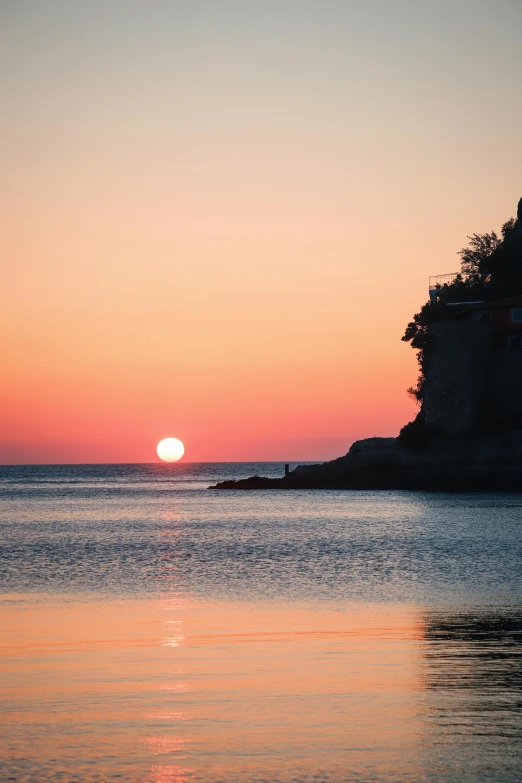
(516, 314)
(514, 342)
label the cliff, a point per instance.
(487, 462)
(468, 432)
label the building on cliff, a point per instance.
(474, 373)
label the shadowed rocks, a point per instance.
(492, 462)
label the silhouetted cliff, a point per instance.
(467, 434)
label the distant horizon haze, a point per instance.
(219, 217)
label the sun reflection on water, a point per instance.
(277, 638)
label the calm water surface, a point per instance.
(155, 631)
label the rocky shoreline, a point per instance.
(473, 463)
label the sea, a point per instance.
(155, 631)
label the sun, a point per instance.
(170, 449)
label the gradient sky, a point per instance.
(218, 216)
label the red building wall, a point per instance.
(503, 327)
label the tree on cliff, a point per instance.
(416, 335)
(479, 259)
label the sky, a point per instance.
(218, 216)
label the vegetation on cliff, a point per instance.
(491, 268)
(488, 454)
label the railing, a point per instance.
(437, 281)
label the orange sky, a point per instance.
(218, 218)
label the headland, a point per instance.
(467, 434)
(488, 462)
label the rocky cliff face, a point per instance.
(456, 377)
(476, 463)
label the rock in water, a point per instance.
(492, 462)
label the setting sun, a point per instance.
(170, 449)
